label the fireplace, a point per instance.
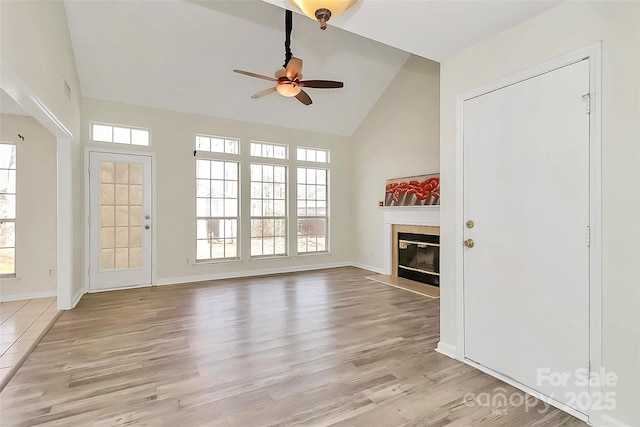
(419, 257)
(419, 220)
(415, 253)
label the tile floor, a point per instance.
(22, 325)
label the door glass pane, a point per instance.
(121, 215)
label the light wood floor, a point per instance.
(316, 348)
(22, 325)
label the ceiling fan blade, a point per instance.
(294, 68)
(259, 76)
(263, 93)
(322, 84)
(304, 98)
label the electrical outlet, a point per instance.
(50, 271)
(188, 261)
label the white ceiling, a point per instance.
(179, 55)
(434, 29)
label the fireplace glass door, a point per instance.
(419, 257)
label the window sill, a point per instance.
(216, 261)
(261, 257)
(305, 254)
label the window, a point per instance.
(7, 209)
(313, 155)
(215, 144)
(266, 167)
(312, 210)
(268, 210)
(119, 134)
(268, 150)
(216, 209)
(120, 215)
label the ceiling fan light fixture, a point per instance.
(288, 89)
(289, 80)
(323, 10)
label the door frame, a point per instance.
(13, 84)
(87, 210)
(594, 53)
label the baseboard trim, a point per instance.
(368, 267)
(33, 295)
(120, 288)
(612, 422)
(447, 350)
(249, 273)
(76, 298)
(528, 390)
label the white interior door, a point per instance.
(526, 188)
(120, 220)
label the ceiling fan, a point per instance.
(289, 81)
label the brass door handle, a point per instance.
(469, 243)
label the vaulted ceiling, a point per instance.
(9, 106)
(179, 55)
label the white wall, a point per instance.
(565, 28)
(173, 141)
(35, 43)
(36, 201)
(398, 138)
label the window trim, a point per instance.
(14, 220)
(325, 150)
(224, 138)
(245, 159)
(254, 160)
(238, 216)
(314, 165)
(114, 125)
(287, 151)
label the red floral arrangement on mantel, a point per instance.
(415, 191)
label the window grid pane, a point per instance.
(270, 151)
(215, 144)
(268, 209)
(312, 209)
(312, 155)
(216, 207)
(7, 209)
(119, 134)
(120, 215)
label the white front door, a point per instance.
(526, 189)
(120, 220)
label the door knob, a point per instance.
(146, 227)
(469, 243)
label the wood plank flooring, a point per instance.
(22, 325)
(319, 348)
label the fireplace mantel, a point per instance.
(412, 215)
(406, 215)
